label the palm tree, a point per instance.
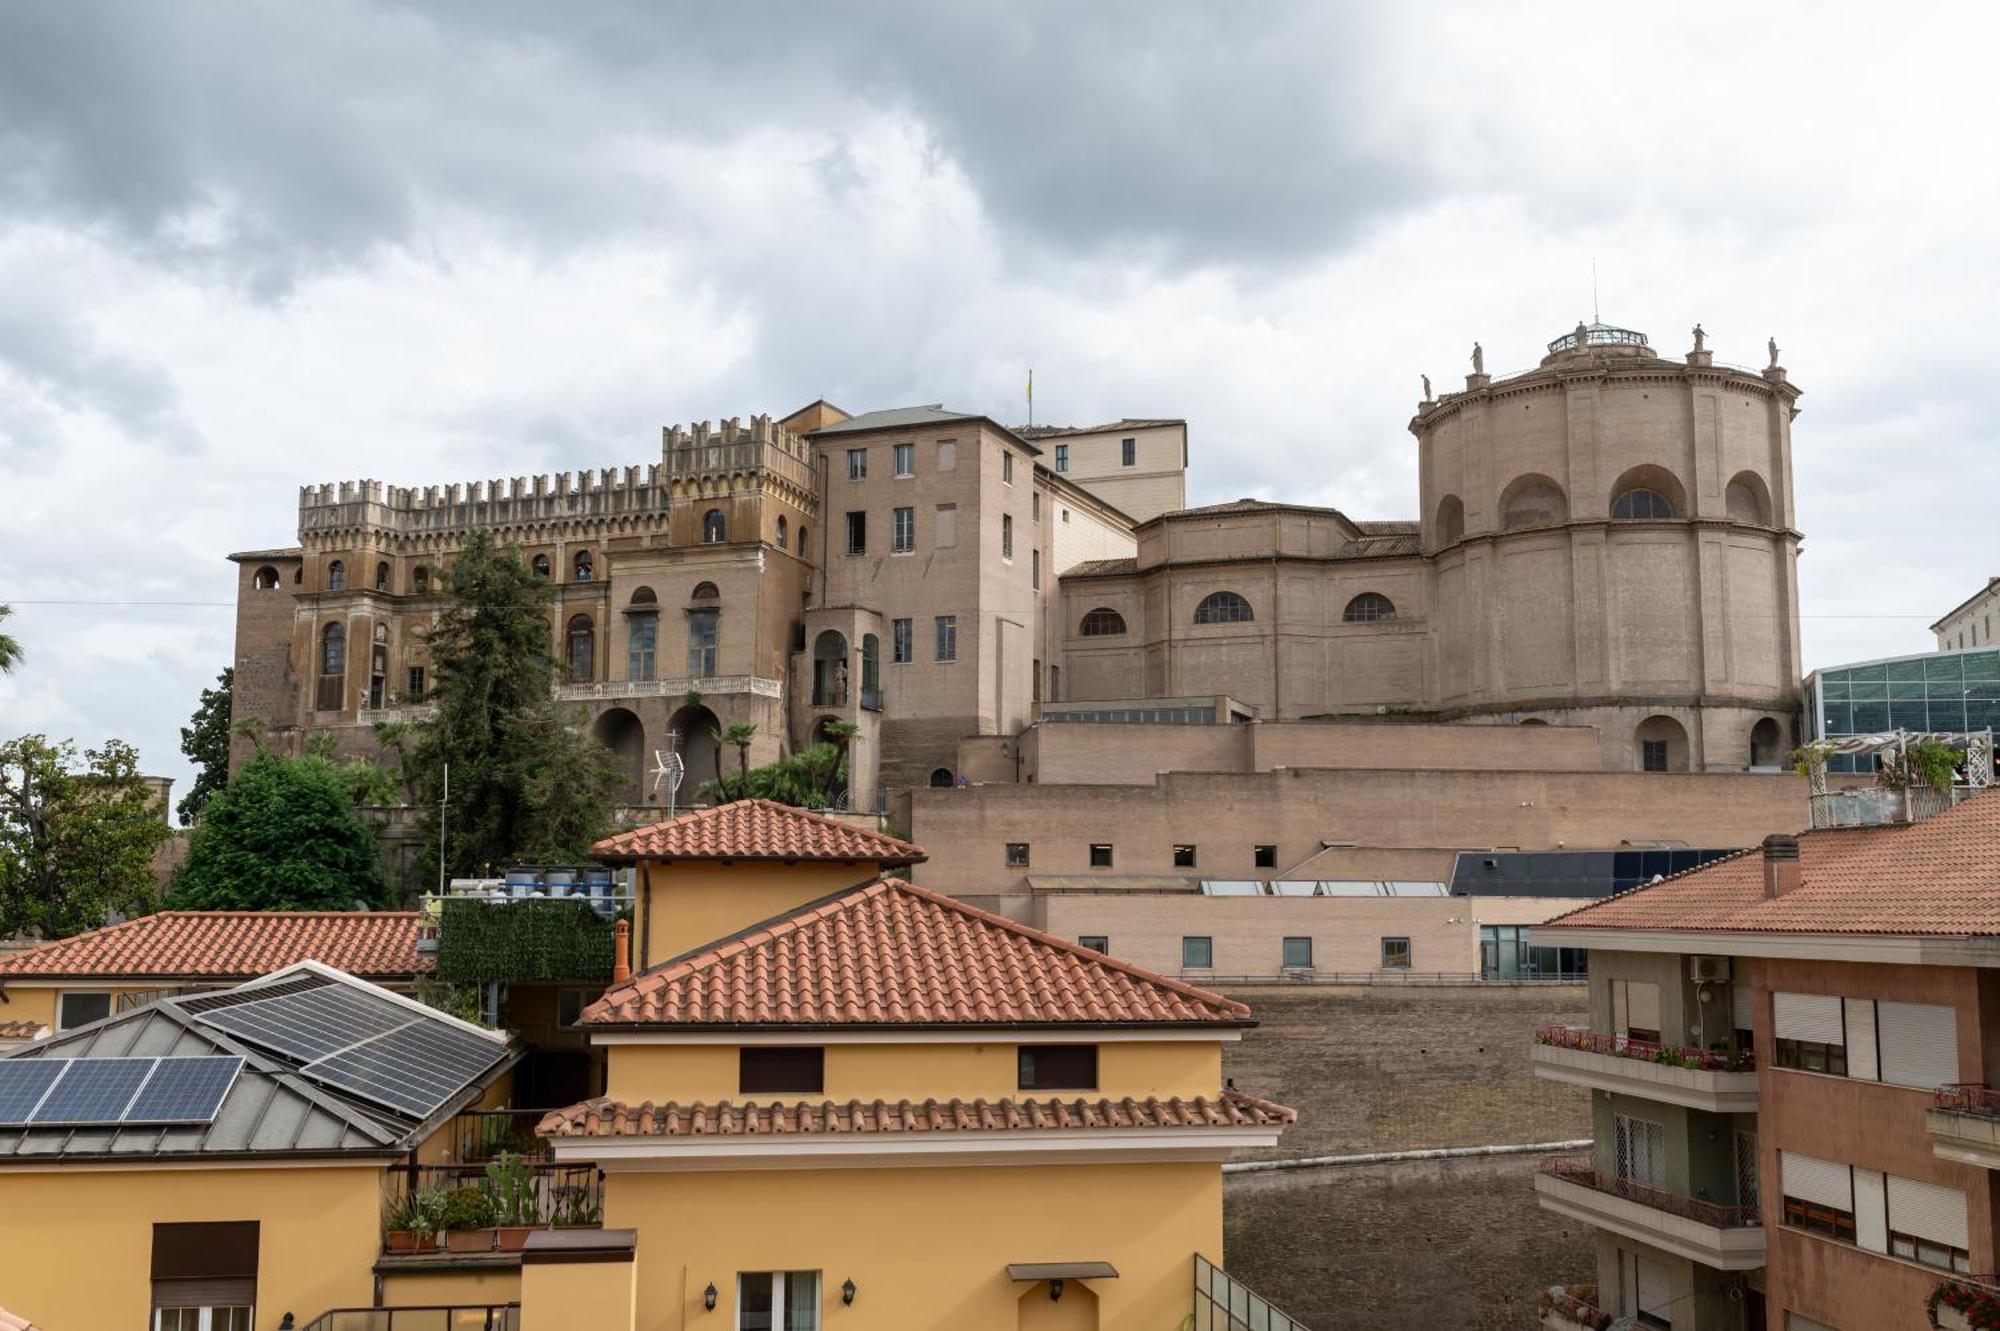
(10, 650)
(739, 735)
(841, 733)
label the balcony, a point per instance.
(1711, 1080)
(1965, 1302)
(613, 690)
(1964, 1120)
(1727, 1238)
(439, 1216)
(432, 1317)
(1572, 1308)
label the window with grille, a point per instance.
(1368, 607)
(1642, 503)
(1223, 608)
(1102, 622)
(1640, 1150)
(1653, 755)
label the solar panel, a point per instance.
(93, 1090)
(23, 1083)
(414, 1069)
(185, 1090)
(309, 1023)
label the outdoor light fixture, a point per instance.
(1055, 1290)
(708, 1297)
(847, 1291)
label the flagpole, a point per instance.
(1031, 397)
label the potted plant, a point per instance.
(468, 1220)
(415, 1220)
(510, 1186)
(572, 1208)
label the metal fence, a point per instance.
(1210, 980)
(1224, 1303)
(435, 1317)
(1578, 1170)
(1645, 1051)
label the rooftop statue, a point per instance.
(1700, 339)
(1427, 386)
(1478, 359)
(1773, 344)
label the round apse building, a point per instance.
(1613, 544)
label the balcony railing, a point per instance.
(1579, 1170)
(569, 1196)
(1224, 1303)
(1576, 1305)
(1965, 1301)
(479, 1135)
(871, 699)
(1967, 1098)
(1644, 1051)
(432, 1317)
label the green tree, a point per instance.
(842, 734)
(10, 650)
(282, 835)
(76, 840)
(740, 735)
(526, 783)
(205, 740)
(801, 780)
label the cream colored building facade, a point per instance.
(1138, 465)
(1970, 622)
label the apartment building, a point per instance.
(1788, 1060)
(1140, 466)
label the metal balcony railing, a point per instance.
(1644, 1051)
(1967, 1098)
(479, 1135)
(1580, 1171)
(558, 1196)
(1224, 1303)
(429, 1317)
(1575, 1304)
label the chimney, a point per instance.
(621, 947)
(1781, 864)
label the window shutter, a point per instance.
(1821, 1182)
(1646, 1006)
(1919, 1044)
(1655, 1288)
(1740, 1006)
(1861, 1060)
(1621, 1007)
(1814, 1017)
(1871, 1210)
(1927, 1211)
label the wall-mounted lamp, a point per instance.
(286, 1324)
(1055, 1290)
(708, 1297)
(847, 1291)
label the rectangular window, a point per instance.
(906, 459)
(1100, 855)
(1653, 755)
(1635, 1010)
(1036, 506)
(903, 531)
(702, 633)
(81, 1009)
(416, 682)
(1035, 568)
(1006, 536)
(1062, 457)
(1036, 691)
(902, 642)
(1298, 953)
(1095, 942)
(777, 1301)
(1058, 1067)
(1007, 466)
(1809, 1033)
(1197, 953)
(1264, 857)
(947, 637)
(1184, 856)
(1395, 954)
(1017, 854)
(1639, 1150)
(857, 533)
(1128, 452)
(204, 1275)
(780, 1070)
(857, 464)
(643, 639)
(944, 532)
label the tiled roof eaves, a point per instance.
(1555, 921)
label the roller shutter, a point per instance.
(1919, 1044)
(1821, 1182)
(1645, 1001)
(1740, 1006)
(1861, 1060)
(1927, 1211)
(1814, 1017)
(1871, 1227)
(1655, 1290)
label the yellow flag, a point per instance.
(1031, 385)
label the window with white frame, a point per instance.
(947, 637)
(857, 464)
(1903, 1044)
(906, 459)
(903, 531)
(902, 648)
(1006, 536)
(1062, 457)
(777, 1301)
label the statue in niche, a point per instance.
(1700, 339)
(1478, 359)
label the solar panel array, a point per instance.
(69, 1092)
(357, 1042)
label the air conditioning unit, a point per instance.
(1708, 970)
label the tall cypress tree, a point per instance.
(526, 783)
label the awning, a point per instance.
(1061, 1271)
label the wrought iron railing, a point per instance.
(1646, 1051)
(1580, 1171)
(1967, 1098)
(871, 699)
(428, 1317)
(1575, 1304)
(1224, 1303)
(479, 1135)
(557, 1196)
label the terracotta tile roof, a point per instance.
(1100, 568)
(1937, 877)
(230, 944)
(890, 953)
(21, 1030)
(802, 1118)
(756, 830)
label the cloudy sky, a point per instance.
(245, 247)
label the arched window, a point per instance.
(712, 527)
(1450, 521)
(333, 650)
(782, 525)
(871, 672)
(1223, 608)
(1663, 745)
(940, 778)
(1641, 503)
(1368, 607)
(421, 578)
(265, 579)
(802, 538)
(1767, 743)
(583, 567)
(540, 565)
(382, 577)
(336, 576)
(642, 634)
(644, 596)
(1102, 622)
(1533, 501)
(704, 591)
(579, 645)
(830, 670)
(1748, 499)
(378, 667)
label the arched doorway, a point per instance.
(1662, 745)
(1767, 743)
(830, 670)
(621, 731)
(696, 729)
